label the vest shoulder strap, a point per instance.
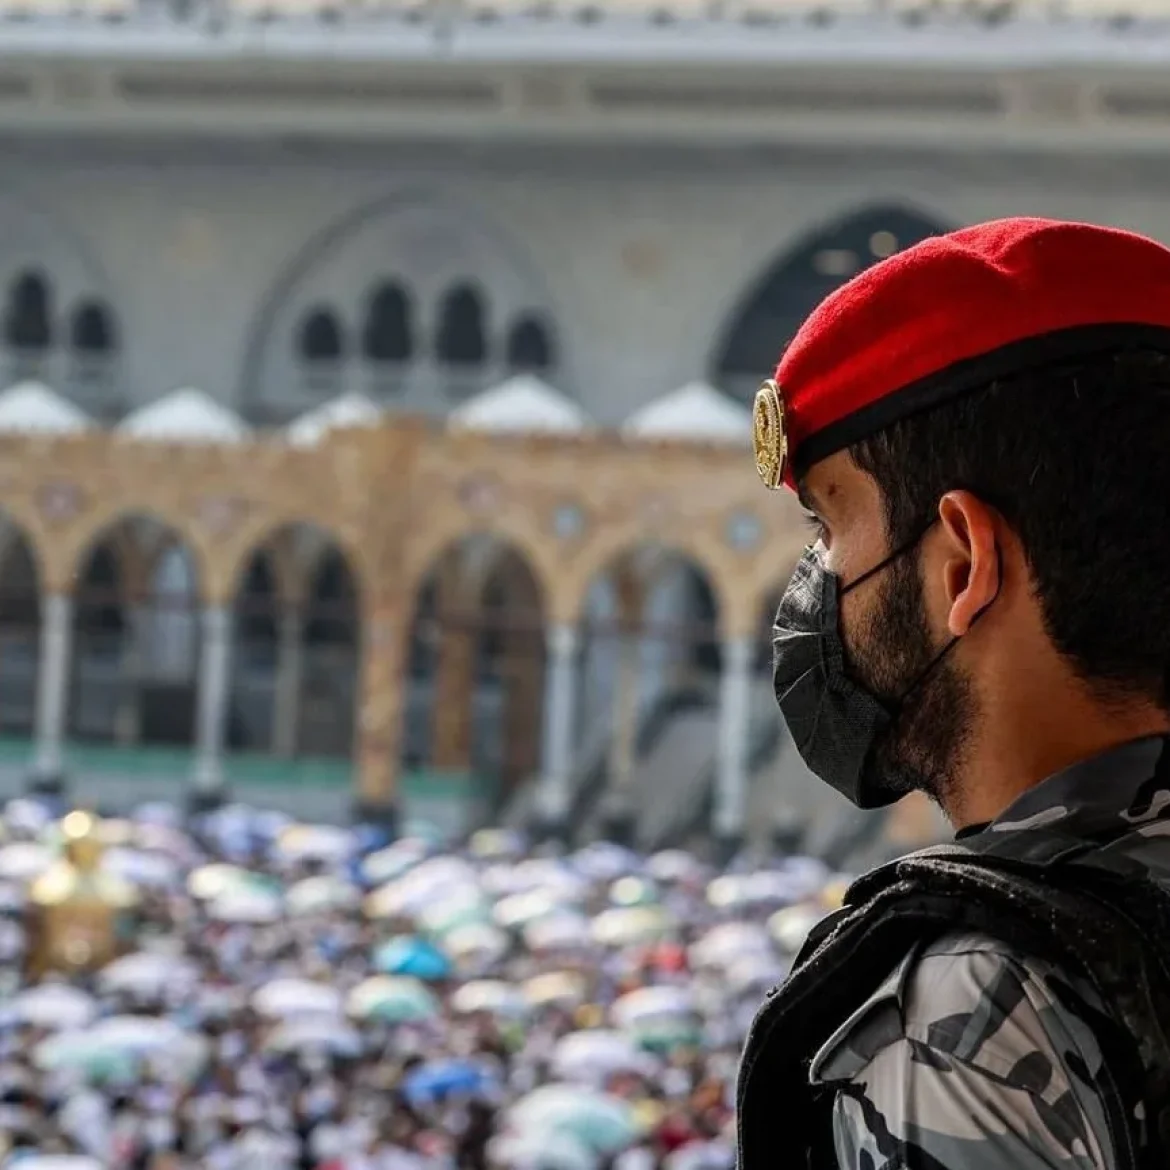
(1057, 898)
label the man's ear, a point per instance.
(971, 558)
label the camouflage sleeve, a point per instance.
(968, 1058)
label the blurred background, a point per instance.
(375, 386)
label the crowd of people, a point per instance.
(309, 997)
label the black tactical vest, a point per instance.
(1069, 901)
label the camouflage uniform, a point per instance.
(972, 1057)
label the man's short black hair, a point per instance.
(1076, 457)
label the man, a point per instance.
(979, 430)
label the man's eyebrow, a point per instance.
(808, 499)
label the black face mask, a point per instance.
(834, 721)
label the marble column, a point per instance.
(52, 686)
(290, 669)
(522, 670)
(560, 705)
(212, 702)
(731, 785)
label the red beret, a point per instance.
(948, 316)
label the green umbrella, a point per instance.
(603, 1123)
(396, 999)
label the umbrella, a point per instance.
(24, 860)
(317, 895)
(598, 1121)
(652, 1003)
(755, 972)
(412, 956)
(54, 1006)
(495, 844)
(676, 866)
(541, 1151)
(285, 998)
(26, 815)
(209, 882)
(442, 1078)
(466, 907)
(729, 941)
(517, 910)
(555, 989)
(393, 999)
(315, 1034)
(148, 973)
(246, 905)
(13, 898)
(494, 996)
(327, 843)
(121, 1045)
(55, 1162)
(790, 926)
(394, 861)
(561, 931)
(633, 891)
(604, 861)
(592, 1056)
(476, 943)
(623, 926)
(142, 868)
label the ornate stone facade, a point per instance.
(395, 499)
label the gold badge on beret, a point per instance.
(769, 434)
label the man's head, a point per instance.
(1039, 505)
(980, 429)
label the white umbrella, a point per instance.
(604, 861)
(54, 1006)
(394, 861)
(24, 860)
(517, 910)
(327, 843)
(591, 1057)
(754, 973)
(562, 931)
(477, 942)
(249, 906)
(494, 996)
(142, 868)
(285, 998)
(652, 1003)
(318, 894)
(676, 865)
(555, 989)
(55, 1162)
(624, 926)
(149, 973)
(729, 941)
(790, 926)
(12, 897)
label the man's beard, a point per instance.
(933, 704)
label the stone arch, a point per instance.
(297, 632)
(651, 647)
(21, 587)
(779, 299)
(475, 699)
(423, 244)
(137, 601)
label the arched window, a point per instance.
(91, 330)
(320, 337)
(387, 335)
(530, 346)
(28, 313)
(775, 308)
(462, 337)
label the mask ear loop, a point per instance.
(956, 639)
(900, 551)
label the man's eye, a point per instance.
(816, 524)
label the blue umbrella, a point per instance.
(441, 1078)
(412, 956)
